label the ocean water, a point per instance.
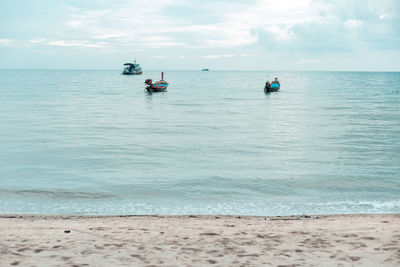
(93, 142)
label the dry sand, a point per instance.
(334, 240)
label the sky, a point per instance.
(348, 35)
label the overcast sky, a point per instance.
(195, 34)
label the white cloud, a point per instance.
(218, 29)
(309, 60)
(75, 23)
(141, 25)
(144, 25)
(87, 44)
(5, 42)
(111, 36)
(353, 23)
(38, 41)
(218, 56)
(69, 43)
(383, 16)
(280, 33)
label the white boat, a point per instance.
(132, 69)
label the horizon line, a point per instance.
(210, 70)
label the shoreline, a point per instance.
(199, 240)
(277, 217)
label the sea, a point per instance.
(94, 142)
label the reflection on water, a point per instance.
(96, 142)
(55, 195)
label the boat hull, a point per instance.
(132, 69)
(160, 86)
(273, 87)
(132, 73)
(152, 89)
(270, 89)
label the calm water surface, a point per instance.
(93, 142)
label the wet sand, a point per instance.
(333, 240)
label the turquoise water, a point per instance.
(93, 142)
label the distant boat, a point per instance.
(132, 69)
(272, 87)
(205, 70)
(160, 86)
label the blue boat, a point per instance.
(272, 87)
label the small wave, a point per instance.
(257, 208)
(56, 194)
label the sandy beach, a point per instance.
(333, 240)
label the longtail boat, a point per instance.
(159, 86)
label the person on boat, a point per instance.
(276, 81)
(268, 84)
